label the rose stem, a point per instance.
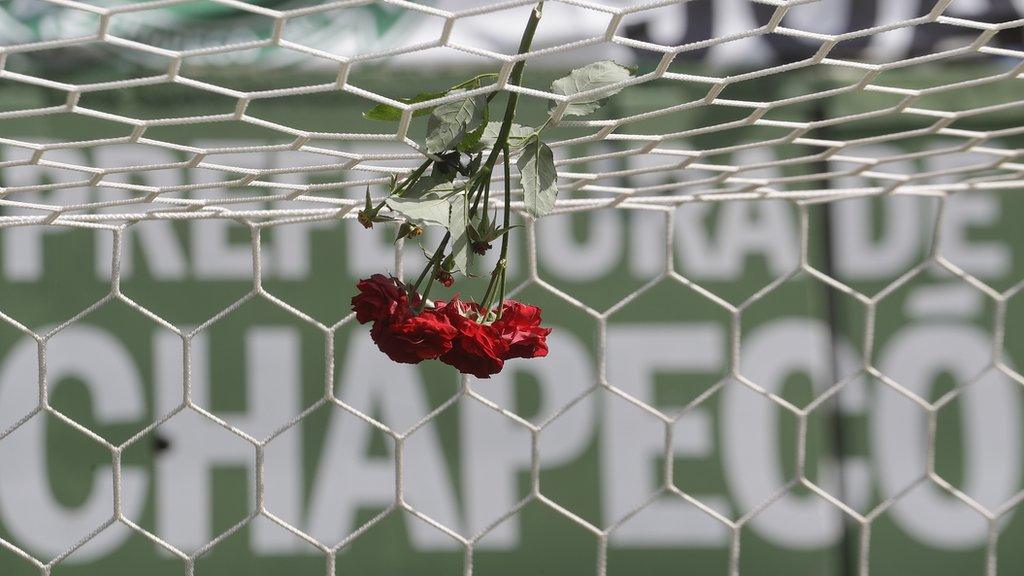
(434, 261)
(407, 182)
(503, 260)
(426, 293)
(501, 143)
(412, 178)
(515, 79)
(498, 274)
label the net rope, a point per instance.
(1001, 170)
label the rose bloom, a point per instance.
(520, 328)
(379, 297)
(477, 349)
(410, 339)
(455, 332)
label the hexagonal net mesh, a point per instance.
(682, 137)
(695, 173)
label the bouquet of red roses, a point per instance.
(463, 148)
(461, 334)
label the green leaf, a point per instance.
(470, 143)
(590, 77)
(451, 121)
(430, 209)
(436, 185)
(458, 228)
(474, 82)
(388, 113)
(537, 168)
(517, 135)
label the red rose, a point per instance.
(411, 339)
(477, 349)
(379, 297)
(520, 328)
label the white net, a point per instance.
(993, 167)
(937, 141)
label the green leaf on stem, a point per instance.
(427, 185)
(388, 113)
(458, 226)
(429, 209)
(517, 135)
(450, 122)
(537, 168)
(470, 143)
(590, 77)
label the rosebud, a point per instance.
(444, 277)
(408, 230)
(480, 247)
(368, 215)
(485, 232)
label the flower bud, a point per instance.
(444, 277)
(408, 230)
(480, 247)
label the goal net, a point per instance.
(782, 272)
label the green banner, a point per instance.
(667, 343)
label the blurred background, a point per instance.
(115, 370)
